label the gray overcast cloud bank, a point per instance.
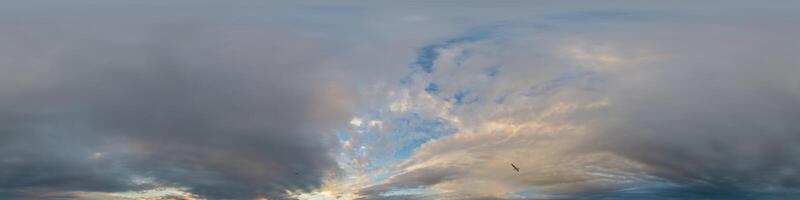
(229, 112)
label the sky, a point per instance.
(363, 100)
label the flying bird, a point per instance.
(515, 167)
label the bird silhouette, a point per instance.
(515, 167)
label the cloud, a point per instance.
(659, 107)
(226, 111)
(376, 101)
(715, 117)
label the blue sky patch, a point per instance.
(432, 88)
(427, 55)
(414, 129)
(492, 71)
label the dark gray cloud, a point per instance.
(720, 118)
(419, 178)
(226, 111)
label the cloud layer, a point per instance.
(640, 106)
(228, 112)
(315, 100)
